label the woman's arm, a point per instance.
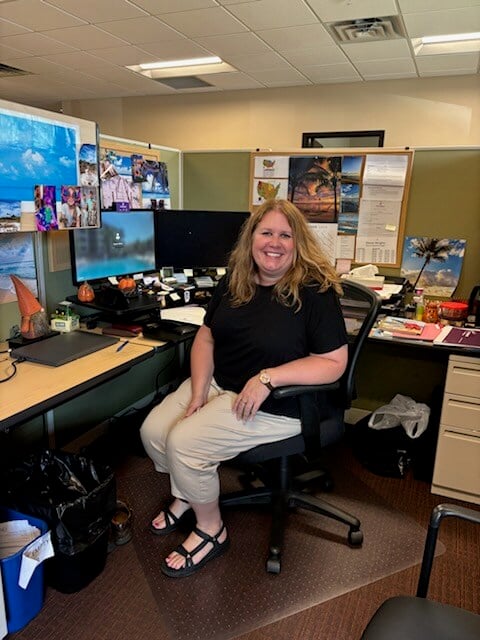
(319, 368)
(201, 368)
(313, 369)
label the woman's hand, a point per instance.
(194, 405)
(249, 399)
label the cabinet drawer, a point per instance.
(457, 463)
(460, 411)
(463, 377)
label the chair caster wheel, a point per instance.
(273, 564)
(355, 538)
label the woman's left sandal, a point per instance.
(189, 567)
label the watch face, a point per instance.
(264, 377)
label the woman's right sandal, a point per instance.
(189, 567)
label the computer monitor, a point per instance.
(123, 245)
(197, 240)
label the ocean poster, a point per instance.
(17, 257)
(33, 150)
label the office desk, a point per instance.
(37, 389)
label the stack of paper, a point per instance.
(391, 326)
(15, 535)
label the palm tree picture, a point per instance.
(435, 263)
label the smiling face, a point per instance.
(273, 247)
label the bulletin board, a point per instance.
(354, 199)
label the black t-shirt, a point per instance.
(265, 333)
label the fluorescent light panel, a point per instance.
(452, 37)
(170, 64)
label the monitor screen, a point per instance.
(123, 245)
(197, 239)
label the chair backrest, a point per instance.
(360, 307)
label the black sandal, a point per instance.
(172, 522)
(190, 567)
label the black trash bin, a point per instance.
(76, 497)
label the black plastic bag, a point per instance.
(76, 497)
(386, 452)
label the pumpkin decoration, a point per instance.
(127, 284)
(85, 292)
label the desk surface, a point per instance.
(36, 388)
(425, 345)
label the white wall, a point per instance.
(425, 112)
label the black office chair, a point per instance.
(322, 409)
(416, 617)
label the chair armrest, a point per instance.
(297, 389)
(439, 512)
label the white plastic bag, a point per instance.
(413, 416)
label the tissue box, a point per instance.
(373, 282)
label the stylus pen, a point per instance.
(121, 346)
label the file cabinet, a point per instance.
(457, 462)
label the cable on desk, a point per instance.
(14, 365)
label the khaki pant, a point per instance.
(190, 449)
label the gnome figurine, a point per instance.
(34, 319)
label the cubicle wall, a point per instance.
(444, 199)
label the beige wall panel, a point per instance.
(418, 112)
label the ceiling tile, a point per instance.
(295, 38)
(36, 44)
(318, 55)
(180, 49)
(94, 11)
(333, 10)
(11, 29)
(234, 43)
(124, 56)
(159, 7)
(377, 50)
(204, 22)
(344, 72)
(258, 62)
(38, 16)
(376, 67)
(270, 14)
(141, 30)
(273, 77)
(85, 37)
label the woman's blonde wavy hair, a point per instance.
(310, 265)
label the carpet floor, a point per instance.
(326, 589)
(234, 594)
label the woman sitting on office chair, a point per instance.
(274, 320)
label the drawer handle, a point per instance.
(453, 402)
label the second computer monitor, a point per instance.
(197, 240)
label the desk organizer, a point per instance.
(21, 605)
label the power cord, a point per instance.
(13, 365)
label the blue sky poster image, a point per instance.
(33, 151)
(435, 264)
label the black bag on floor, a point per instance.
(385, 452)
(76, 497)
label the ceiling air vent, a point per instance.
(184, 82)
(7, 72)
(367, 29)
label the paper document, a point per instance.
(15, 535)
(189, 314)
(33, 555)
